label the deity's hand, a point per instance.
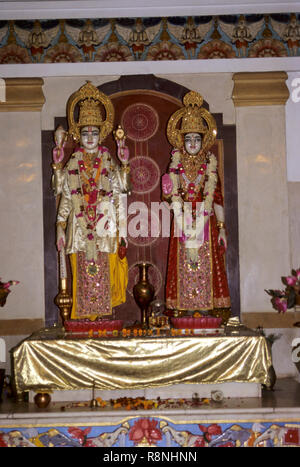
(60, 237)
(123, 151)
(60, 137)
(167, 184)
(183, 238)
(222, 240)
(58, 154)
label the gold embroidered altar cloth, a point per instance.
(135, 363)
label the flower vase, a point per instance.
(143, 292)
(42, 400)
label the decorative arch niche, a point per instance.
(150, 152)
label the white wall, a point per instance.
(21, 227)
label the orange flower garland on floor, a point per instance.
(140, 403)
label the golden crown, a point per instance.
(91, 101)
(192, 122)
(194, 119)
(90, 113)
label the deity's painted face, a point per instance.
(192, 143)
(89, 138)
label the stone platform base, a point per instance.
(176, 391)
(270, 420)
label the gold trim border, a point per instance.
(23, 95)
(265, 88)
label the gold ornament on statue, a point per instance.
(91, 102)
(194, 119)
(64, 301)
(119, 133)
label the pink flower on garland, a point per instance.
(81, 166)
(92, 182)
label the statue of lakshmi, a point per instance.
(90, 211)
(196, 274)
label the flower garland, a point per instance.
(140, 403)
(206, 169)
(210, 170)
(210, 185)
(87, 221)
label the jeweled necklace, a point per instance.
(192, 162)
(191, 185)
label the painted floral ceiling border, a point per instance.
(139, 39)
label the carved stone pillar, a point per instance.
(259, 99)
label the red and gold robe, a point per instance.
(200, 285)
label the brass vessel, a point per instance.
(42, 400)
(143, 292)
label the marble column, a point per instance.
(259, 100)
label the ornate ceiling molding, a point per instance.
(144, 39)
